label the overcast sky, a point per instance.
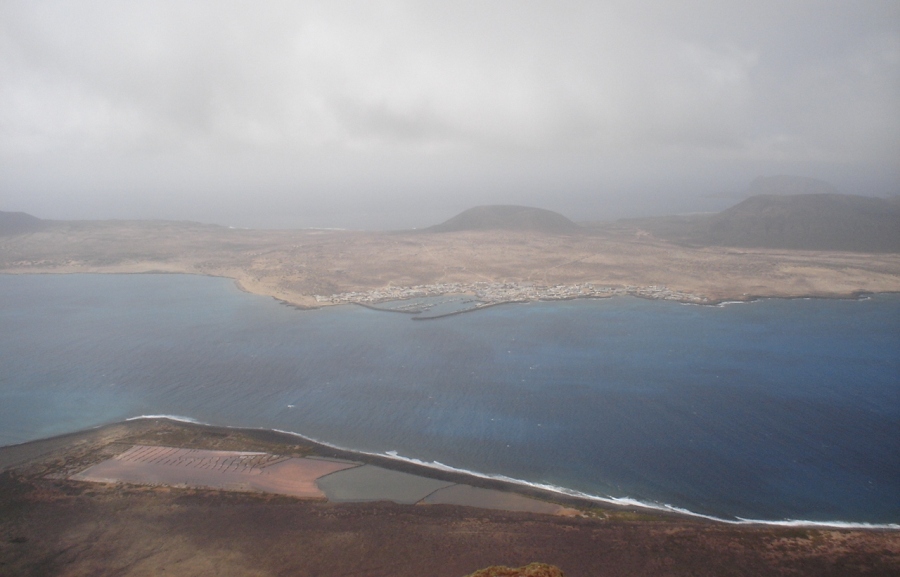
(376, 114)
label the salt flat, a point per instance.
(229, 470)
(303, 477)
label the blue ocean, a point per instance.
(773, 410)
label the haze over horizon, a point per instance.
(402, 114)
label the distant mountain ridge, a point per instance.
(787, 185)
(820, 221)
(816, 221)
(507, 217)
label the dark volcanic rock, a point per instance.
(507, 217)
(530, 570)
(19, 223)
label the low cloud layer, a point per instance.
(396, 114)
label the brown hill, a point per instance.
(507, 217)
(787, 184)
(19, 223)
(821, 221)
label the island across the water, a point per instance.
(764, 247)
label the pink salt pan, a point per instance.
(228, 470)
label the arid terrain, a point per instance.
(50, 525)
(296, 265)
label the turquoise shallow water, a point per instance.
(779, 409)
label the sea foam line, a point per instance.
(618, 501)
(178, 418)
(631, 502)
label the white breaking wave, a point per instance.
(170, 418)
(630, 502)
(828, 524)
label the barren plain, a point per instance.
(296, 265)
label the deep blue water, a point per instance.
(778, 409)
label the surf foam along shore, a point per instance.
(631, 502)
(177, 418)
(627, 502)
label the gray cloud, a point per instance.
(393, 113)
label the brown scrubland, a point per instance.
(295, 265)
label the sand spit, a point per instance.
(371, 483)
(493, 499)
(302, 477)
(228, 470)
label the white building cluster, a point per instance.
(495, 293)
